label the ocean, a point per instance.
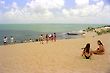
(23, 32)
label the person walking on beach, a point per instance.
(86, 51)
(12, 40)
(100, 49)
(54, 37)
(5, 40)
(46, 38)
(41, 39)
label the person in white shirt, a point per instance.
(50, 36)
(30, 40)
(12, 39)
(5, 40)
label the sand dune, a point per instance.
(63, 56)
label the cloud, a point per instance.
(14, 5)
(86, 11)
(96, 0)
(46, 4)
(2, 3)
(34, 9)
(95, 13)
(55, 11)
(32, 12)
(81, 3)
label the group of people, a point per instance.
(87, 53)
(47, 37)
(5, 40)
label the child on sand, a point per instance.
(86, 51)
(100, 49)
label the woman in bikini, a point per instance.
(86, 51)
(100, 49)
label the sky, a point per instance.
(55, 11)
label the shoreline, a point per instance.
(86, 35)
(35, 31)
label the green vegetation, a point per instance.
(90, 29)
(102, 31)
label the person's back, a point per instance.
(101, 48)
(86, 51)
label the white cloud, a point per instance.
(41, 11)
(95, 13)
(96, 0)
(46, 4)
(14, 5)
(2, 3)
(88, 10)
(82, 3)
(106, 12)
(35, 9)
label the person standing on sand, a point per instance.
(47, 38)
(30, 40)
(100, 49)
(12, 39)
(54, 37)
(41, 39)
(86, 51)
(5, 40)
(50, 35)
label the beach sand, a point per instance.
(63, 56)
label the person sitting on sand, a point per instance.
(86, 51)
(100, 49)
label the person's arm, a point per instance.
(83, 52)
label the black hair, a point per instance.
(87, 48)
(99, 42)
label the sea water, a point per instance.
(23, 32)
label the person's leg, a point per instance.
(95, 52)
